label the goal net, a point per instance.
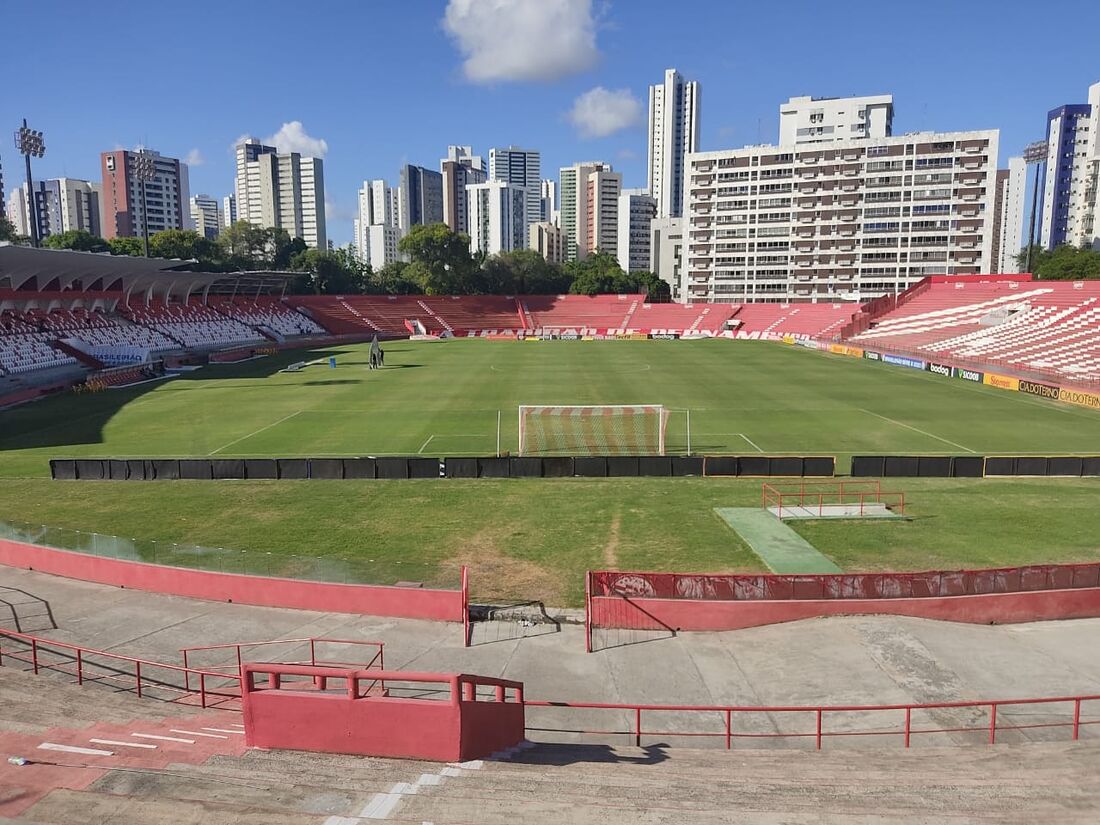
(620, 429)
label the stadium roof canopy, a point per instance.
(28, 271)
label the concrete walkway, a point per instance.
(777, 545)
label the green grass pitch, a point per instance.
(534, 538)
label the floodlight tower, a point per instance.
(29, 143)
(1035, 154)
(144, 167)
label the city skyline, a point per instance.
(568, 103)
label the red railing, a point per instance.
(144, 674)
(819, 714)
(811, 495)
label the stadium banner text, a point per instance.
(1004, 382)
(967, 375)
(1081, 399)
(902, 361)
(1041, 390)
(940, 369)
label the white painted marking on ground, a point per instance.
(380, 806)
(430, 779)
(122, 744)
(342, 820)
(235, 725)
(199, 733)
(405, 788)
(164, 738)
(53, 746)
(451, 771)
(751, 442)
(472, 765)
(257, 432)
(223, 730)
(916, 430)
(425, 444)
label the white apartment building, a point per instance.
(376, 230)
(1069, 197)
(520, 167)
(590, 209)
(460, 168)
(498, 222)
(549, 211)
(1008, 216)
(206, 215)
(636, 210)
(62, 204)
(667, 251)
(673, 133)
(282, 191)
(838, 221)
(832, 119)
(229, 210)
(548, 241)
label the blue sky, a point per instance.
(382, 82)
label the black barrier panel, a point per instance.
(326, 468)
(1000, 466)
(901, 466)
(690, 465)
(392, 467)
(525, 467)
(359, 468)
(868, 466)
(63, 468)
(492, 468)
(195, 468)
(293, 468)
(423, 468)
(720, 465)
(754, 465)
(139, 469)
(227, 468)
(655, 466)
(1031, 465)
(967, 466)
(557, 467)
(90, 469)
(590, 466)
(164, 469)
(118, 470)
(622, 466)
(784, 466)
(819, 466)
(260, 468)
(1065, 465)
(1090, 465)
(934, 466)
(460, 467)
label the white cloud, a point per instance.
(292, 137)
(601, 112)
(194, 158)
(522, 40)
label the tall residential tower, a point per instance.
(673, 132)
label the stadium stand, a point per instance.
(267, 313)
(361, 314)
(685, 317)
(581, 311)
(191, 324)
(806, 320)
(474, 311)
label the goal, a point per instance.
(619, 429)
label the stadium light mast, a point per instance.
(1035, 154)
(29, 143)
(144, 168)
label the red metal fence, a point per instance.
(817, 495)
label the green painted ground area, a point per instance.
(777, 545)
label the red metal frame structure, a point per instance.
(821, 493)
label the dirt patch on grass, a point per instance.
(495, 576)
(611, 549)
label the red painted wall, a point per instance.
(989, 608)
(400, 602)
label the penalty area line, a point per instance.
(753, 443)
(916, 430)
(257, 432)
(425, 444)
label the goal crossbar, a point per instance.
(592, 429)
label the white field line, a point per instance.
(257, 432)
(917, 430)
(198, 733)
(53, 746)
(753, 443)
(223, 730)
(425, 444)
(121, 744)
(163, 738)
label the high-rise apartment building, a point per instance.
(838, 221)
(229, 210)
(1069, 196)
(520, 167)
(281, 190)
(497, 220)
(460, 169)
(589, 208)
(1008, 216)
(832, 119)
(206, 215)
(667, 252)
(61, 205)
(548, 241)
(636, 211)
(548, 212)
(376, 230)
(420, 197)
(166, 195)
(673, 133)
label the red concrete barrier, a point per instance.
(370, 600)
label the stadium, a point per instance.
(416, 557)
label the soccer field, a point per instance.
(534, 538)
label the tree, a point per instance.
(324, 273)
(282, 248)
(126, 246)
(392, 279)
(522, 272)
(76, 239)
(184, 244)
(656, 290)
(441, 262)
(245, 245)
(7, 231)
(595, 274)
(1063, 263)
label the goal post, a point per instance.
(609, 429)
